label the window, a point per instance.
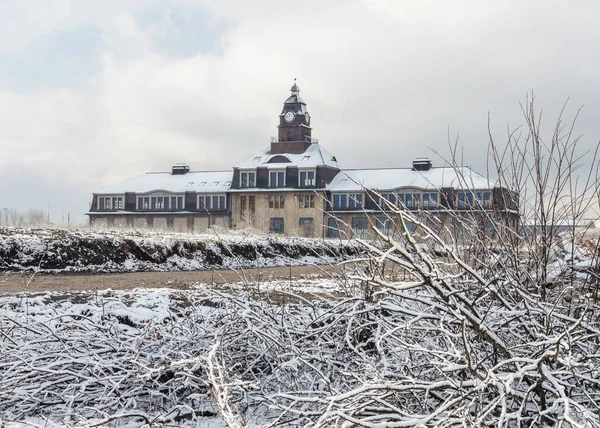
(110, 203)
(360, 227)
(290, 136)
(243, 205)
(465, 199)
(333, 229)
(351, 200)
(279, 159)
(306, 201)
(486, 199)
(158, 202)
(277, 179)
(211, 202)
(430, 200)
(247, 208)
(276, 225)
(247, 179)
(307, 227)
(307, 178)
(385, 198)
(355, 200)
(276, 201)
(401, 200)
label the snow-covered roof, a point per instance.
(314, 155)
(201, 182)
(395, 178)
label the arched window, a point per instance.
(279, 159)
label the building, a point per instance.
(296, 187)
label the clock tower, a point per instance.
(294, 134)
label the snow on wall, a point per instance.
(48, 250)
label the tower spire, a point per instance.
(295, 88)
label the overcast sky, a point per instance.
(93, 93)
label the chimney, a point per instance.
(180, 169)
(422, 164)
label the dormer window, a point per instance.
(247, 179)
(307, 178)
(110, 203)
(277, 179)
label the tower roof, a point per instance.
(295, 89)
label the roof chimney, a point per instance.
(180, 169)
(422, 164)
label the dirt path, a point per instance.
(14, 283)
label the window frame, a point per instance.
(245, 179)
(304, 179)
(306, 201)
(280, 222)
(110, 202)
(351, 201)
(219, 198)
(160, 201)
(277, 177)
(276, 202)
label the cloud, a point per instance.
(384, 82)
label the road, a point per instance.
(15, 283)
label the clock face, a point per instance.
(307, 117)
(289, 116)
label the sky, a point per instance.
(94, 93)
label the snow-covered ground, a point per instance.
(54, 250)
(77, 358)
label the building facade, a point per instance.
(296, 187)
